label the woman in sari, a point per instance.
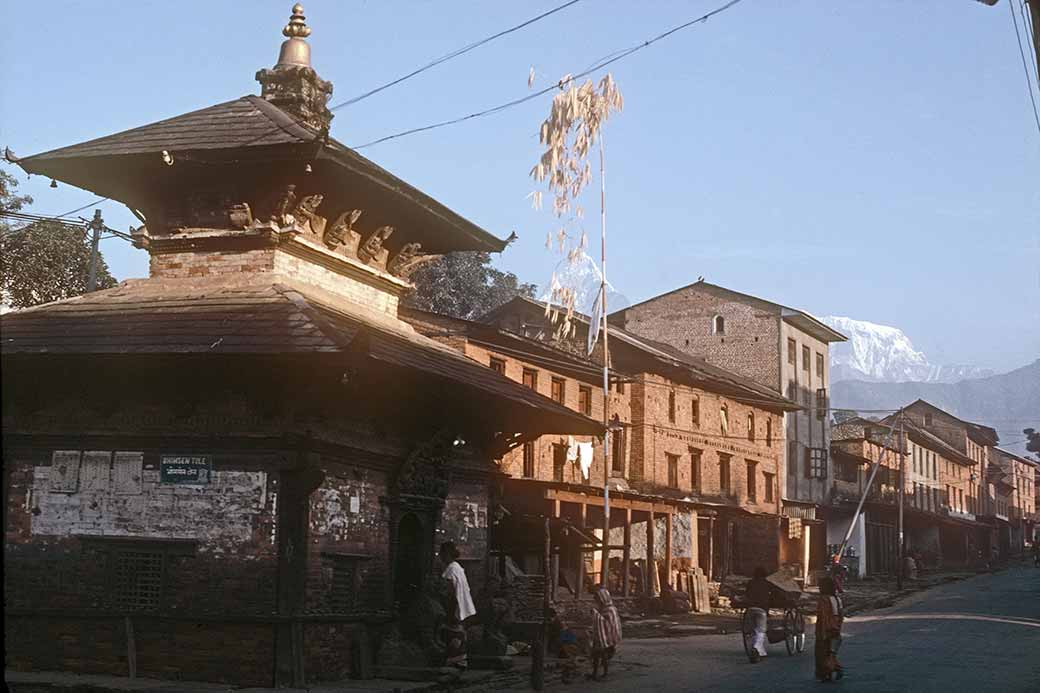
(829, 617)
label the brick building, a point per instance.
(697, 447)
(938, 486)
(238, 469)
(1019, 473)
(783, 349)
(976, 442)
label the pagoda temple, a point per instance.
(238, 469)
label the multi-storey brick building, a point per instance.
(937, 485)
(976, 442)
(781, 348)
(1018, 473)
(695, 445)
(238, 469)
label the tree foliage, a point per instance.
(464, 285)
(45, 261)
(1033, 444)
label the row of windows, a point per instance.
(558, 390)
(792, 357)
(725, 486)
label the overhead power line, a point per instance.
(1025, 64)
(621, 55)
(453, 54)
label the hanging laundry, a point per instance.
(585, 458)
(572, 449)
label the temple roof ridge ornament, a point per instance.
(292, 84)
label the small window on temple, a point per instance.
(695, 412)
(751, 426)
(498, 365)
(718, 325)
(671, 406)
(585, 400)
(531, 378)
(138, 579)
(558, 389)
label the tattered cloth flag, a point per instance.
(595, 320)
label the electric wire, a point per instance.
(1025, 65)
(453, 54)
(621, 55)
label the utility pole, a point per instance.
(902, 491)
(604, 569)
(96, 226)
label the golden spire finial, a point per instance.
(297, 27)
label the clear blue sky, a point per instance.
(874, 159)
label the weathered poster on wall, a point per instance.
(64, 472)
(127, 472)
(185, 469)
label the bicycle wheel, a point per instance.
(747, 631)
(794, 631)
(789, 632)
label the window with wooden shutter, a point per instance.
(671, 406)
(695, 469)
(498, 365)
(529, 459)
(752, 481)
(530, 378)
(585, 400)
(695, 412)
(724, 486)
(673, 470)
(558, 389)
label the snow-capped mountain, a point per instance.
(881, 353)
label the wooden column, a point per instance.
(581, 557)
(626, 556)
(668, 549)
(650, 566)
(711, 548)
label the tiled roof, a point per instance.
(111, 166)
(694, 368)
(802, 319)
(247, 121)
(256, 316)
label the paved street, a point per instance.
(974, 635)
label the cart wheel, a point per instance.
(794, 631)
(747, 631)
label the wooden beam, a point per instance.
(615, 502)
(626, 556)
(581, 558)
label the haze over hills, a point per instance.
(1008, 402)
(880, 353)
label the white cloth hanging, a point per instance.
(585, 458)
(457, 576)
(572, 449)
